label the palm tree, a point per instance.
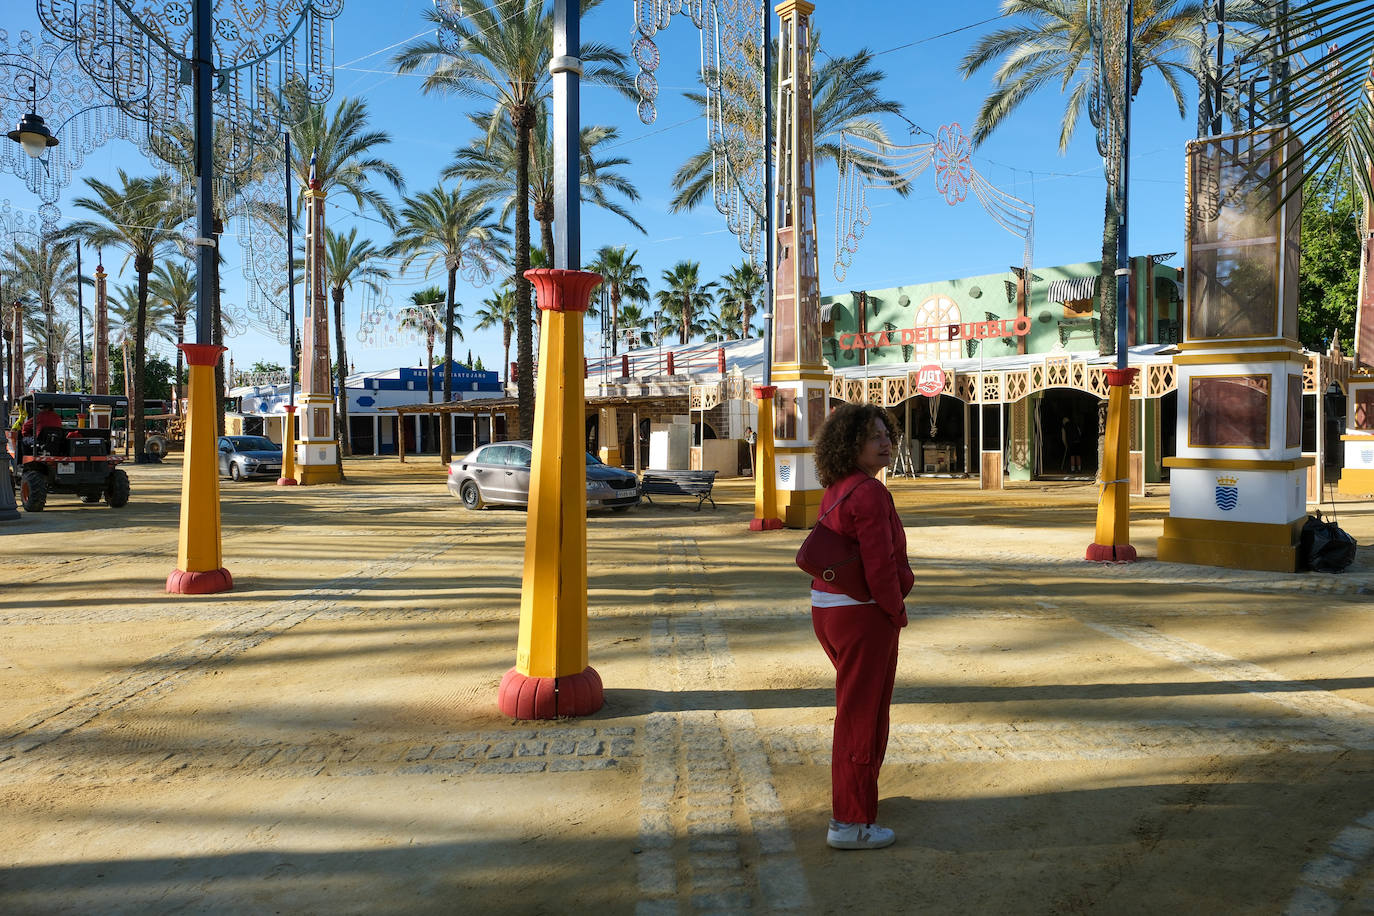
(644, 325)
(845, 100)
(499, 309)
(158, 320)
(684, 297)
(623, 279)
(1051, 45)
(421, 316)
(45, 275)
(140, 218)
(739, 294)
(173, 286)
(499, 51)
(340, 147)
(446, 226)
(348, 259)
(491, 164)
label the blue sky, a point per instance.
(916, 239)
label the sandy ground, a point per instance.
(324, 738)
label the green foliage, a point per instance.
(264, 366)
(157, 375)
(477, 366)
(1328, 285)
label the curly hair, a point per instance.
(842, 437)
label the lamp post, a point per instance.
(32, 132)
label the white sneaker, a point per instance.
(858, 836)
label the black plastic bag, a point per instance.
(1323, 547)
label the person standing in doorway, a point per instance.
(859, 633)
(751, 438)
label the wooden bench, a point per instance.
(678, 483)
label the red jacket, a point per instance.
(868, 516)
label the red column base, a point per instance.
(765, 524)
(523, 697)
(287, 481)
(1111, 553)
(182, 582)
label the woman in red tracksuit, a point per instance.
(860, 636)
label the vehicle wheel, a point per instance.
(156, 446)
(117, 489)
(33, 491)
(235, 471)
(470, 495)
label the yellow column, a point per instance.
(199, 570)
(1111, 540)
(766, 516)
(551, 677)
(288, 450)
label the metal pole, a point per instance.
(1221, 75)
(567, 69)
(768, 202)
(204, 139)
(80, 323)
(291, 364)
(1123, 258)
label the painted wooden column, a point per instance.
(551, 676)
(102, 332)
(200, 569)
(1238, 480)
(315, 443)
(288, 450)
(799, 377)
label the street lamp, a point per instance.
(32, 133)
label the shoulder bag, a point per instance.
(834, 558)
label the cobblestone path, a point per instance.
(703, 846)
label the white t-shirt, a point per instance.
(831, 599)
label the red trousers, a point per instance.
(861, 642)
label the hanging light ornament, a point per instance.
(864, 164)
(732, 72)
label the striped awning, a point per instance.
(1073, 290)
(826, 309)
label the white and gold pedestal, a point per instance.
(316, 448)
(799, 408)
(1238, 482)
(1357, 476)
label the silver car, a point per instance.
(241, 457)
(499, 474)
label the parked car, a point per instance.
(499, 474)
(242, 457)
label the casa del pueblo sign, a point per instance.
(936, 333)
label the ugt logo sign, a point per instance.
(930, 381)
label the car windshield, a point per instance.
(252, 443)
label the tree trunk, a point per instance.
(546, 238)
(429, 365)
(445, 441)
(523, 117)
(341, 414)
(615, 318)
(1106, 343)
(505, 364)
(144, 267)
(49, 351)
(686, 331)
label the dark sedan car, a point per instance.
(499, 474)
(241, 457)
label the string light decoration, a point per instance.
(732, 72)
(135, 53)
(378, 327)
(39, 76)
(950, 152)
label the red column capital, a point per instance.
(290, 408)
(560, 290)
(764, 391)
(201, 354)
(1120, 378)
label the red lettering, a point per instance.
(908, 336)
(1022, 325)
(885, 339)
(846, 341)
(953, 332)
